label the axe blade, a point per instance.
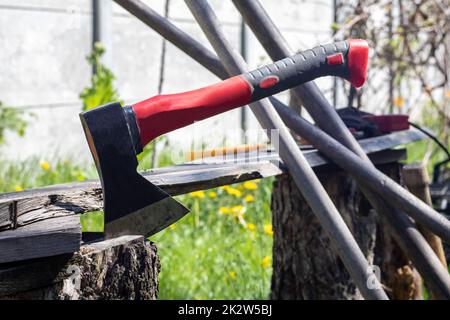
(132, 204)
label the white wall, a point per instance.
(43, 67)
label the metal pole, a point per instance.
(406, 234)
(102, 28)
(304, 177)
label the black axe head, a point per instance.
(132, 204)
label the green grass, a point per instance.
(221, 250)
(35, 172)
(214, 255)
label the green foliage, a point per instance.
(11, 119)
(102, 89)
(210, 253)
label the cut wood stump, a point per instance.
(306, 267)
(122, 268)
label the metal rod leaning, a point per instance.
(419, 251)
(406, 233)
(303, 175)
(422, 257)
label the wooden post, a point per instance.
(122, 268)
(305, 267)
(417, 181)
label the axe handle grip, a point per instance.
(164, 113)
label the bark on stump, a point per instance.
(304, 264)
(122, 268)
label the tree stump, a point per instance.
(122, 268)
(304, 263)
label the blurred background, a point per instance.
(61, 57)
(44, 69)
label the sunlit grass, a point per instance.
(35, 172)
(220, 250)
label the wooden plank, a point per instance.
(45, 238)
(25, 207)
(121, 268)
(315, 159)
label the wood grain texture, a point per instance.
(120, 268)
(305, 267)
(29, 206)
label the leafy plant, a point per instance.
(11, 119)
(102, 88)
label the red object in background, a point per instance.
(389, 123)
(165, 113)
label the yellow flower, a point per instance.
(234, 192)
(266, 261)
(212, 194)
(224, 210)
(44, 165)
(249, 198)
(251, 226)
(399, 102)
(250, 185)
(238, 210)
(232, 274)
(268, 229)
(18, 188)
(198, 194)
(172, 226)
(448, 93)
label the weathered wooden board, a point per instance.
(25, 207)
(315, 159)
(122, 268)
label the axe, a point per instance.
(116, 134)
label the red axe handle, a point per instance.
(165, 113)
